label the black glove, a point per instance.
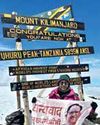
(34, 100)
(94, 105)
(92, 117)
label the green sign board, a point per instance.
(36, 21)
(16, 86)
(42, 35)
(43, 53)
(28, 70)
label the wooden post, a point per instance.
(77, 61)
(18, 78)
(25, 94)
(26, 104)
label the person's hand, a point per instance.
(34, 100)
(94, 105)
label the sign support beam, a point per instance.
(77, 61)
(25, 94)
(18, 79)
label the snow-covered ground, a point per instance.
(8, 99)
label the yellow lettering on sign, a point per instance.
(40, 33)
(56, 35)
(47, 53)
(18, 19)
(43, 22)
(26, 54)
(53, 22)
(57, 52)
(12, 30)
(34, 54)
(10, 55)
(59, 23)
(73, 51)
(72, 25)
(52, 53)
(26, 20)
(84, 50)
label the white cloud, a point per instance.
(5, 48)
(94, 67)
(5, 79)
(32, 78)
(92, 61)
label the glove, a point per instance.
(34, 100)
(94, 105)
(92, 116)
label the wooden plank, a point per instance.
(43, 53)
(36, 21)
(39, 84)
(48, 69)
(42, 35)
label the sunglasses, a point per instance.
(63, 83)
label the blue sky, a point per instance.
(86, 11)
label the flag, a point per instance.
(61, 13)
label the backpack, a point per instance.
(15, 118)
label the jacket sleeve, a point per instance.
(51, 95)
(54, 94)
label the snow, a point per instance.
(8, 100)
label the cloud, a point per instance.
(94, 67)
(5, 48)
(5, 79)
(92, 61)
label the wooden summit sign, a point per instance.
(16, 86)
(28, 70)
(36, 21)
(43, 53)
(42, 35)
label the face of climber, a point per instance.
(63, 85)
